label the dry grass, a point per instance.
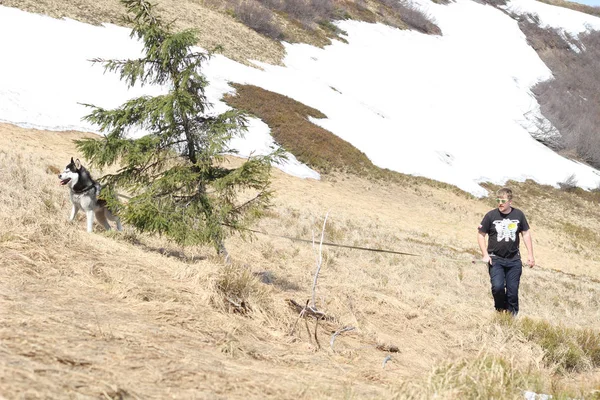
(291, 128)
(131, 316)
(126, 315)
(215, 27)
(565, 348)
(570, 100)
(246, 29)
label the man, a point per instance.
(503, 226)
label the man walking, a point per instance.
(503, 226)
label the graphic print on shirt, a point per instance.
(507, 229)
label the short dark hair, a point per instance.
(505, 192)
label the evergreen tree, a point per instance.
(176, 175)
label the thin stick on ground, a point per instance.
(311, 308)
(345, 329)
(301, 315)
(319, 256)
(316, 337)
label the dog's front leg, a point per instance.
(90, 220)
(73, 213)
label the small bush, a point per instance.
(539, 38)
(258, 18)
(413, 17)
(567, 349)
(417, 19)
(239, 289)
(570, 101)
(307, 12)
(569, 184)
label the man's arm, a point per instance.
(529, 244)
(485, 257)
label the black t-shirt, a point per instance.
(503, 231)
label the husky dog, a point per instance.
(84, 196)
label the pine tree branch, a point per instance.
(263, 192)
(170, 168)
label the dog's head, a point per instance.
(70, 175)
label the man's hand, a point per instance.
(531, 262)
(487, 259)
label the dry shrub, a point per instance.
(484, 377)
(290, 127)
(569, 184)
(259, 18)
(570, 101)
(308, 11)
(240, 290)
(539, 38)
(315, 17)
(566, 349)
(413, 17)
(495, 3)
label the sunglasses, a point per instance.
(502, 201)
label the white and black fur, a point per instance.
(84, 196)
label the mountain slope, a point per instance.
(467, 122)
(126, 315)
(130, 316)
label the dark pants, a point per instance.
(505, 276)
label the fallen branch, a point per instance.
(316, 338)
(311, 309)
(302, 314)
(307, 310)
(345, 329)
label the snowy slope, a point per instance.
(451, 108)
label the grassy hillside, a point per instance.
(247, 30)
(130, 316)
